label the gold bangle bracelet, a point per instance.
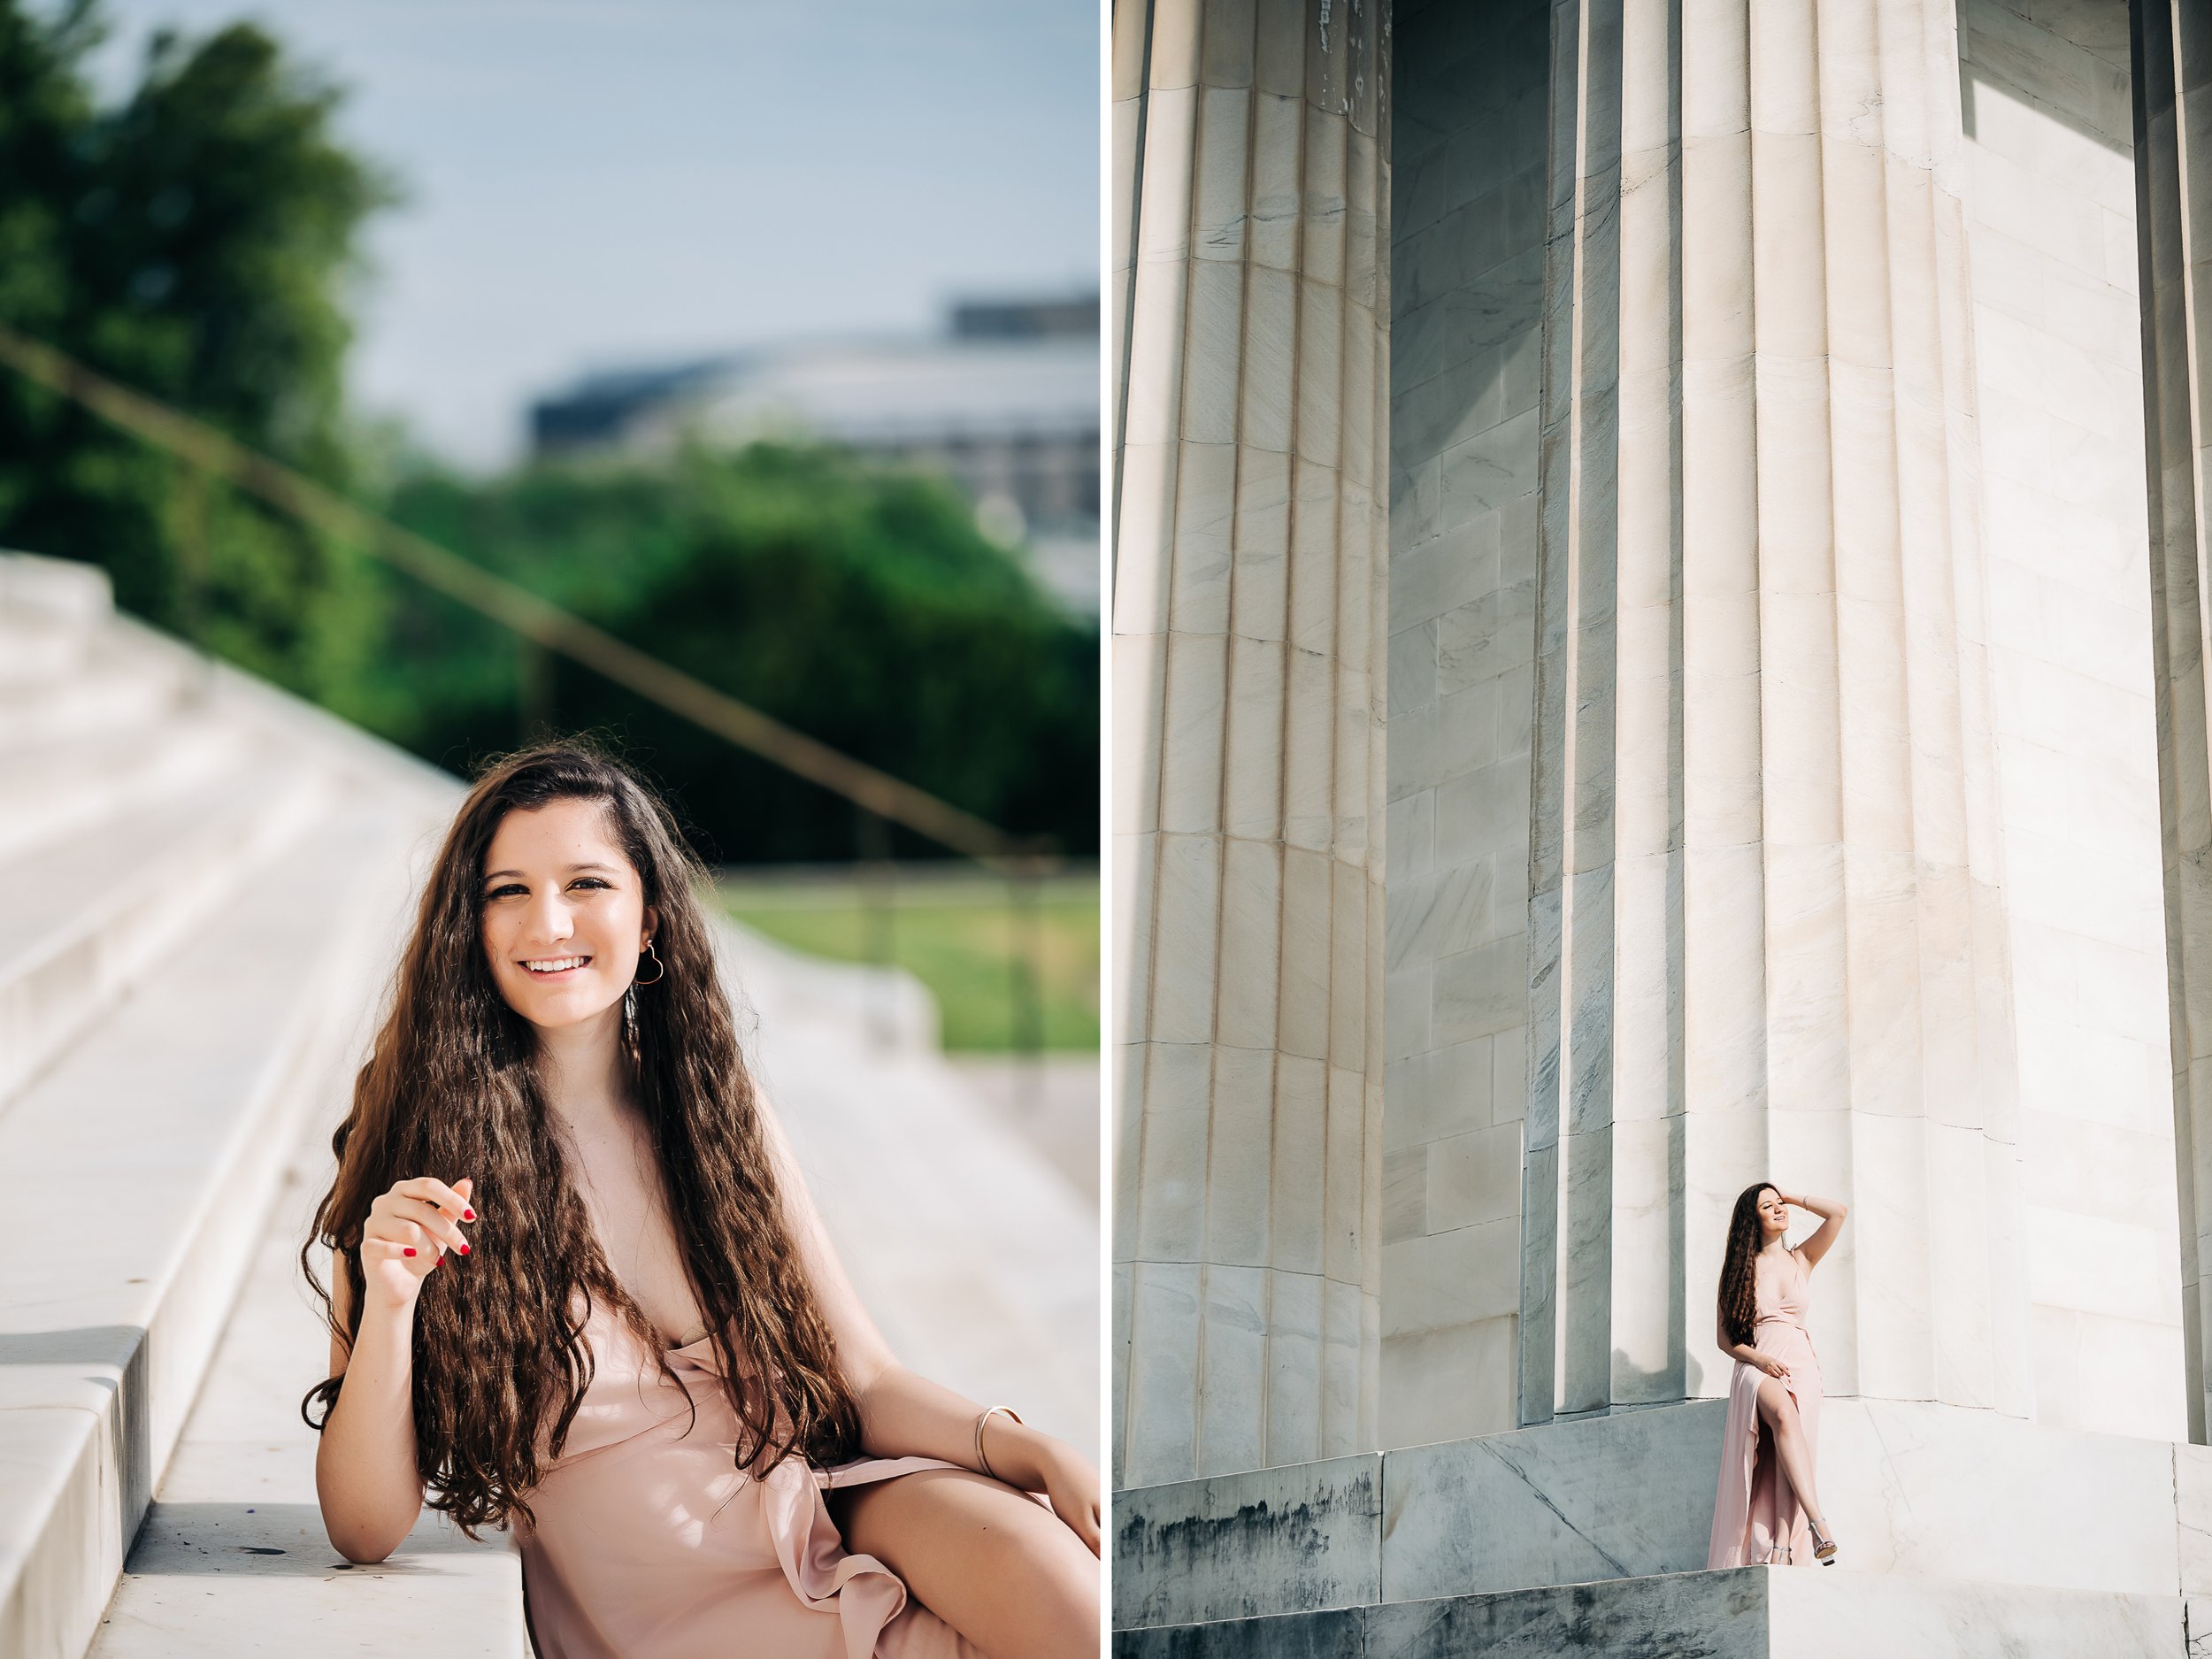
(982, 1462)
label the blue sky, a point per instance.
(595, 182)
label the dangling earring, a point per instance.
(660, 970)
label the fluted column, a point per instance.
(1248, 619)
(1767, 930)
(2173, 162)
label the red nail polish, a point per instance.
(468, 1215)
(409, 1249)
(464, 1249)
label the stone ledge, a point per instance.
(219, 1580)
(1915, 1490)
(1614, 1497)
(136, 1174)
(57, 789)
(110, 906)
(1745, 1613)
(233, 1557)
(1302, 1537)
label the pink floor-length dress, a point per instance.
(648, 1543)
(1757, 1516)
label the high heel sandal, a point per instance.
(1823, 1546)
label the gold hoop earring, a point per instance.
(660, 968)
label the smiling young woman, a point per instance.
(650, 1363)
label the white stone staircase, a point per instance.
(208, 882)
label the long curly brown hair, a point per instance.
(1739, 1294)
(450, 1088)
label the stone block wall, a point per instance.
(1466, 320)
(1918, 1493)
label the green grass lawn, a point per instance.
(955, 930)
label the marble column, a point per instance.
(1768, 939)
(1249, 612)
(2173, 162)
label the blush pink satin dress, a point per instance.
(650, 1544)
(1756, 1516)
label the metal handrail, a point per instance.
(201, 445)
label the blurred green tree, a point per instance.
(856, 604)
(197, 241)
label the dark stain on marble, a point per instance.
(1264, 1557)
(1338, 1635)
(1675, 1616)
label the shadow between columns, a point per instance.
(2080, 78)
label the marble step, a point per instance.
(1743, 1613)
(51, 615)
(231, 1558)
(58, 788)
(35, 648)
(34, 588)
(136, 1164)
(97, 912)
(109, 690)
(136, 1174)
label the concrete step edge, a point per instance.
(66, 590)
(53, 792)
(61, 985)
(83, 1481)
(1725, 1613)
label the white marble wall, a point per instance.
(2051, 220)
(1775, 782)
(1767, 928)
(1466, 321)
(1247, 789)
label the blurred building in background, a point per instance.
(1004, 402)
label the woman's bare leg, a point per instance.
(1779, 1409)
(1778, 1507)
(996, 1566)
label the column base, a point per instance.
(1739, 1613)
(1504, 1542)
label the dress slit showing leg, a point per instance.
(1757, 1515)
(1775, 1496)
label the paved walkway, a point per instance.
(1051, 1100)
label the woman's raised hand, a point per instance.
(408, 1233)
